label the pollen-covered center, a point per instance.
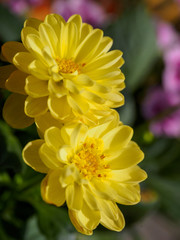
(68, 65)
(90, 159)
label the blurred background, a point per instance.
(148, 33)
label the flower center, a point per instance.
(90, 159)
(68, 65)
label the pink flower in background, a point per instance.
(20, 7)
(171, 74)
(90, 11)
(159, 103)
(166, 36)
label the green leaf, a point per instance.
(10, 25)
(169, 195)
(52, 220)
(32, 231)
(134, 34)
(10, 149)
(128, 111)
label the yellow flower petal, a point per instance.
(90, 199)
(92, 42)
(48, 157)
(22, 60)
(69, 175)
(78, 104)
(10, 49)
(78, 135)
(108, 208)
(39, 70)
(32, 22)
(52, 191)
(16, 82)
(77, 20)
(111, 223)
(74, 196)
(36, 88)
(59, 107)
(71, 86)
(34, 45)
(57, 88)
(71, 35)
(117, 138)
(92, 217)
(93, 97)
(63, 153)
(86, 220)
(102, 189)
(102, 129)
(13, 112)
(111, 59)
(54, 19)
(31, 156)
(86, 29)
(48, 37)
(45, 121)
(84, 80)
(53, 138)
(104, 46)
(25, 32)
(5, 72)
(78, 222)
(129, 156)
(35, 106)
(129, 175)
(126, 194)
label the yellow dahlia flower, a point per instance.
(64, 68)
(91, 169)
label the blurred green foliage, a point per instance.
(24, 216)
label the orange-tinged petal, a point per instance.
(13, 112)
(31, 156)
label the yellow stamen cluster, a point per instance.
(90, 159)
(68, 65)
